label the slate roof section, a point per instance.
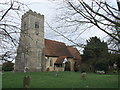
(56, 49)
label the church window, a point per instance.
(37, 28)
(51, 63)
(36, 25)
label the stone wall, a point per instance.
(30, 55)
(52, 68)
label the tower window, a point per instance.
(37, 28)
(36, 25)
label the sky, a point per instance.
(50, 9)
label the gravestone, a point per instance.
(84, 75)
(26, 82)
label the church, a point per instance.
(36, 54)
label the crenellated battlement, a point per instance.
(30, 12)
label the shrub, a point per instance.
(8, 66)
(101, 65)
(85, 67)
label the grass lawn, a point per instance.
(65, 80)
(0, 80)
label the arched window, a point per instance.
(51, 63)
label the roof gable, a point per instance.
(74, 52)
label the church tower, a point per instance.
(30, 52)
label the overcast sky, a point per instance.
(50, 9)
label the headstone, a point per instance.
(47, 70)
(26, 82)
(84, 75)
(57, 73)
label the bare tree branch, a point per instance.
(9, 27)
(97, 13)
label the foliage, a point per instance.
(85, 67)
(10, 11)
(64, 80)
(114, 58)
(118, 62)
(94, 52)
(8, 66)
(77, 66)
(95, 49)
(101, 65)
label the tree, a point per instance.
(9, 27)
(8, 66)
(95, 13)
(114, 58)
(95, 48)
(101, 65)
(95, 55)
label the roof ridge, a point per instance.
(55, 41)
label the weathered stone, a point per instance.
(30, 53)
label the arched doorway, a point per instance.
(67, 66)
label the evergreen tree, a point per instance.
(95, 48)
(96, 52)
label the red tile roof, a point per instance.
(60, 60)
(75, 53)
(59, 49)
(55, 48)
